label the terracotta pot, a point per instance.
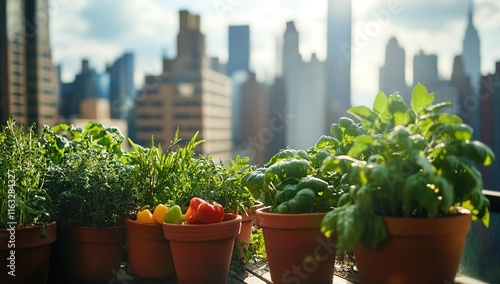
(418, 250)
(202, 252)
(149, 254)
(30, 261)
(91, 255)
(246, 228)
(257, 205)
(297, 251)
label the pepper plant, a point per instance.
(414, 161)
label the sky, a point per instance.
(101, 31)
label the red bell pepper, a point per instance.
(202, 212)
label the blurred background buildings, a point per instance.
(224, 101)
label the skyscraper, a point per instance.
(425, 70)
(28, 78)
(472, 67)
(392, 74)
(305, 93)
(121, 85)
(239, 49)
(338, 63)
(189, 95)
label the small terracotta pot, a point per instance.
(297, 251)
(91, 255)
(149, 254)
(30, 260)
(202, 252)
(418, 250)
(246, 228)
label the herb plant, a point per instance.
(86, 176)
(291, 182)
(24, 200)
(414, 162)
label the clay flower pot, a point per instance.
(418, 250)
(149, 254)
(202, 252)
(91, 254)
(30, 261)
(297, 251)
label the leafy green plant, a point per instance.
(291, 182)
(416, 161)
(86, 176)
(24, 200)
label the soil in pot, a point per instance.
(90, 255)
(30, 261)
(149, 254)
(297, 251)
(202, 252)
(418, 250)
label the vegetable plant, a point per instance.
(292, 182)
(24, 199)
(414, 161)
(86, 178)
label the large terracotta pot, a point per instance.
(91, 255)
(418, 250)
(297, 251)
(30, 261)
(202, 252)
(149, 254)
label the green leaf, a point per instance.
(381, 107)
(421, 99)
(336, 132)
(364, 114)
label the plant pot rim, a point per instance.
(406, 226)
(228, 228)
(289, 221)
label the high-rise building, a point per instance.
(121, 85)
(490, 123)
(88, 84)
(239, 49)
(277, 117)
(189, 95)
(392, 74)
(255, 132)
(338, 62)
(28, 78)
(472, 67)
(305, 93)
(425, 70)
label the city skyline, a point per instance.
(78, 31)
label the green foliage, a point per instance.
(291, 182)
(417, 162)
(86, 176)
(22, 168)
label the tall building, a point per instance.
(255, 132)
(472, 67)
(28, 78)
(425, 70)
(189, 95)
(305, 93)
(338, 62)
(88, 84)
(392, 74)
(239, 49)
(490, 120)
(121, 85)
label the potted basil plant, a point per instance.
(297, 195)
(410, 180)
